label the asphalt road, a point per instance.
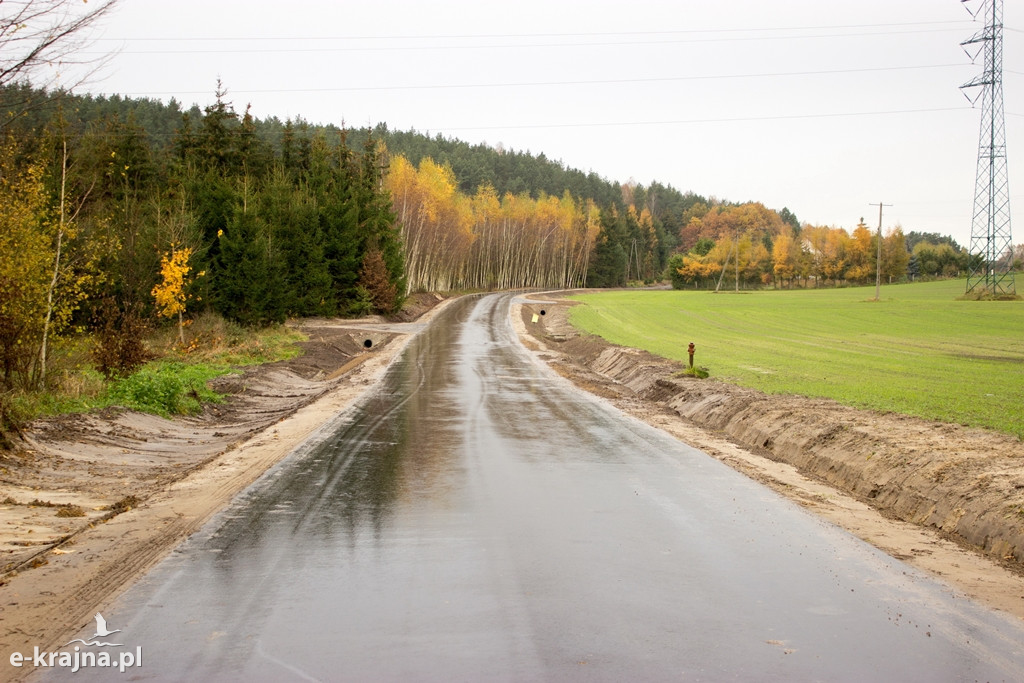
(477, 518)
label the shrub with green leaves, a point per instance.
(167, 389)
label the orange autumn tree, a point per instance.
(170, 293)
(862, 255)
(786, 257)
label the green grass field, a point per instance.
(918, 351)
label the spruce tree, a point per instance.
(248, 281)
(332, 179)
(608, 269)
(291, 216)
(378, 218)
(217, 139)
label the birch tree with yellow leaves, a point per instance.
(171, 293)
(453, 241)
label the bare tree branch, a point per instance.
(36, 35)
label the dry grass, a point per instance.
(209, 338)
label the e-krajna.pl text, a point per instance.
(76, 659)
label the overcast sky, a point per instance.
(821, 107)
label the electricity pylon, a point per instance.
(991, 250)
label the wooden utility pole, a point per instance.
(878, 258)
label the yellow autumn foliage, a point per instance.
(26, 255)
(170, 293)
(456, 241)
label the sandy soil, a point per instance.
(142, 483)
(945, 498)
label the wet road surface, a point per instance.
(478, 519)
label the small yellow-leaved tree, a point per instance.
(25, 257)
(170, 293)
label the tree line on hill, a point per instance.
(115, 211)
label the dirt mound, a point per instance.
(416, 304)
(967, 483)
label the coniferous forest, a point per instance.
(120, 212)
(117, 215)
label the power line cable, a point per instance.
(537, 35)
(607, 81)
(738, 119)
(510, 46)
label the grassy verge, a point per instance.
(174, 383)
(919, 351)
(166, 388)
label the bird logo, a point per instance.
(101, 627)
(101, 632)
